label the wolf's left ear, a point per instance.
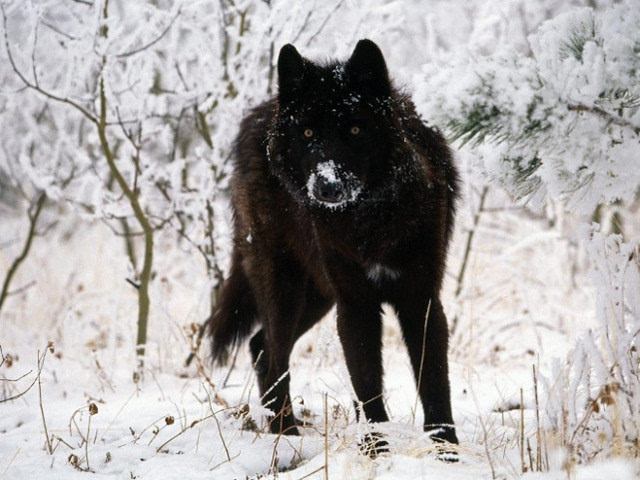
(291, 69)
(368, 69)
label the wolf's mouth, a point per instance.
(331, 187)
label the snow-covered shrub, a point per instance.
(563, 121)
(594, 399)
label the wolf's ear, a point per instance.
(368, 69)
(291, 69)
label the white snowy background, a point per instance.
(544, 318)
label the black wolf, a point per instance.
(341, 195)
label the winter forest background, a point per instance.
(116, 122)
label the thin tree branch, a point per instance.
(33, 221)
(324, 23)
(132, 197)
(467, 252)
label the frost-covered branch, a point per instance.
(34, 85)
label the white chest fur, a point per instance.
(378, 272)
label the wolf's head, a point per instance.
(332, 138)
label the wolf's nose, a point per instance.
(329, 191)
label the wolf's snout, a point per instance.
(331, 186)
(329, 191)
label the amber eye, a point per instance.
(355, 130)
(308, 132)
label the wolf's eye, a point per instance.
(355, 130)
(308, 132)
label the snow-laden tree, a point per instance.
(562, 122)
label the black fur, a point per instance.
(342, 195)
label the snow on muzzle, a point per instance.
(331, 186)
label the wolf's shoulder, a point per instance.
(256, 124)
(251, 143)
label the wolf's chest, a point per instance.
(378, 273)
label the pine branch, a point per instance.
(481, 121)
(580, 35)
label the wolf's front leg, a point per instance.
(427, 343)
(360, 331)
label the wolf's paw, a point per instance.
(442, 434)
(373, 445)
(445, 453)
(445, 440)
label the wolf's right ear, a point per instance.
(368, 69)
(291, 68)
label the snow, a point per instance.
(89, 317)
(332, 173)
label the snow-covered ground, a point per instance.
(525, 302)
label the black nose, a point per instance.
(329, 191)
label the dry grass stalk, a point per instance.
(522, 462)
(326, 438)
(44, 421)
(422, 355)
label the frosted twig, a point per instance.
(35, 86)
(326, 438)
(224, 443)
(486, 437)
(467, 251)
(154, 41)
